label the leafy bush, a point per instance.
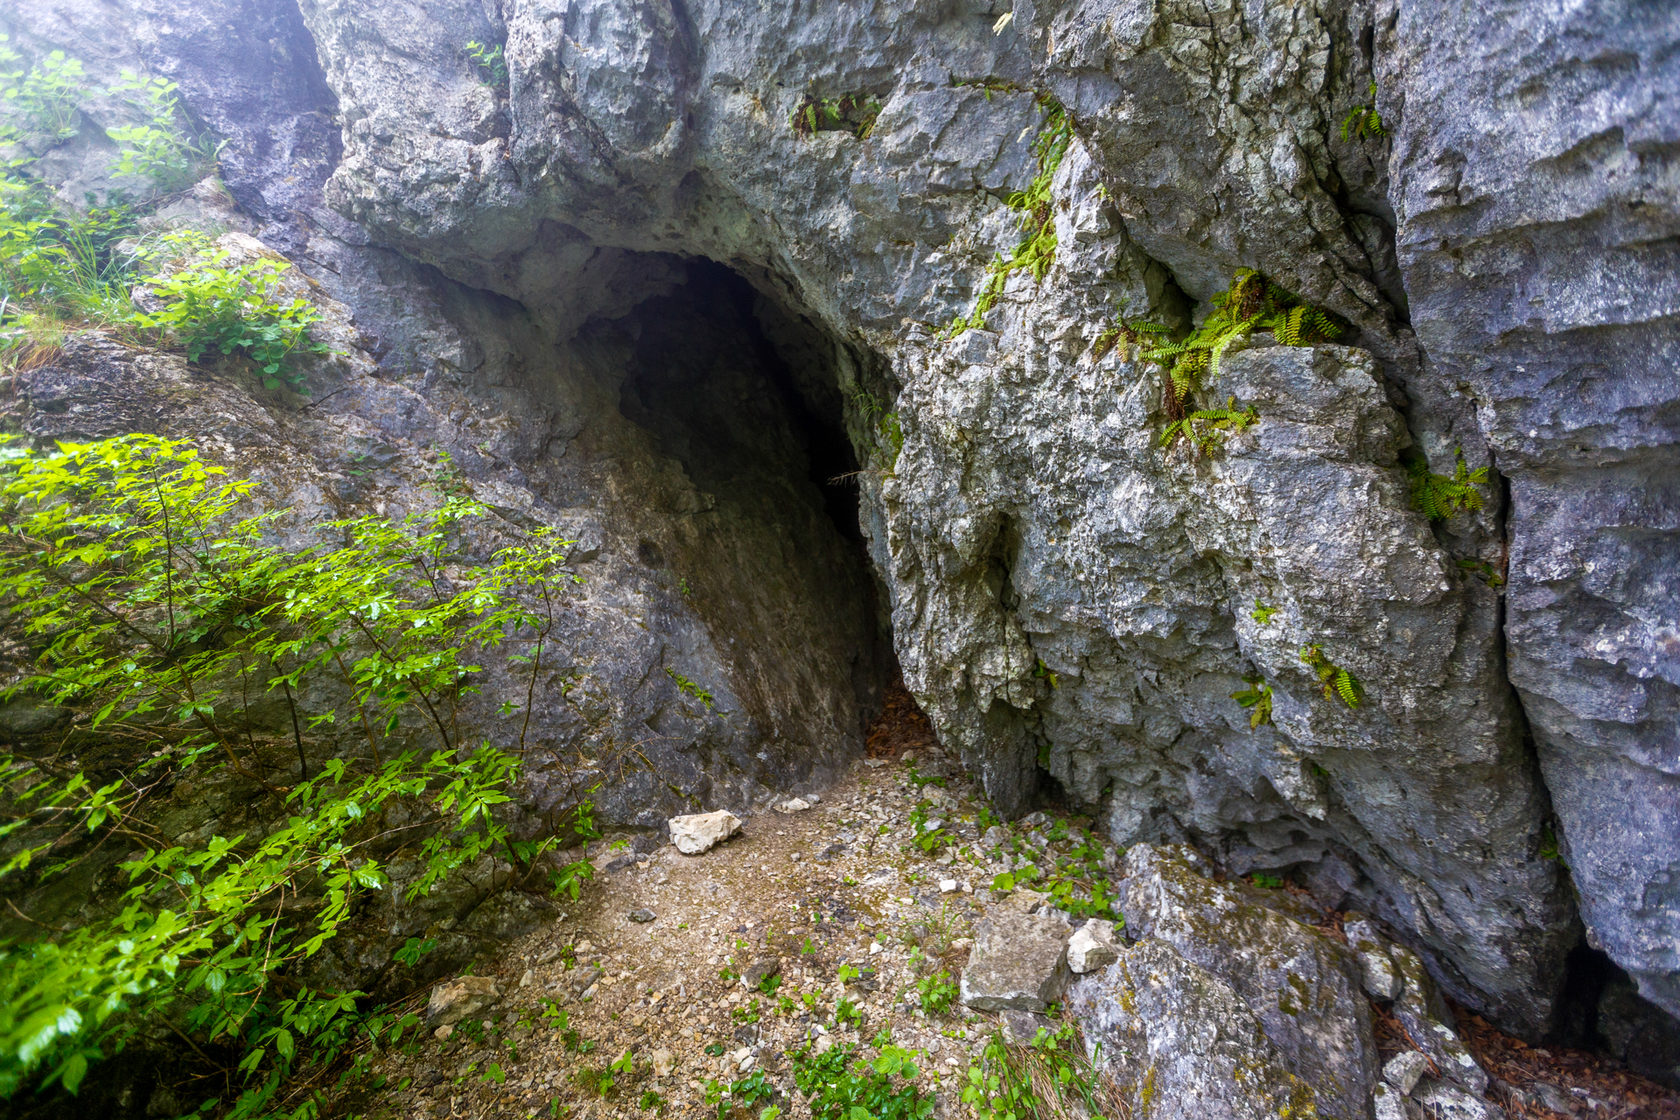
(936, 993)
(490, 64)
(1049, 1077)
(238, 309)
(45, 94)
(159, 150)
(60, 264)
(163, 625)
(842, 1086)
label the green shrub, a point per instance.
(162, 622)
(490, 64)
(1049, 1077)
(936, 993)
(159, 150)
(60, 264)
(236, 310)
(840, 1085)
(44, 95)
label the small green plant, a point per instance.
(750, 1013)
(1128, 338)
(1043, 672)
(1363, 120)
(1266, 881)
(1483, 571)
(1036, 251)
(928, 839)
(846, 1014)
(739, 1096)
(770, 984)
(1257, 698)
(854, 113)
(1206, 429)
(1549, 848)
(690, 688)
(45, 95)
(489, 63)
(236, 310)
(1261, 613)
(1336, 681)
(1439, 496)
(159, 150)
(651, 1101)
(842, 1085)
(1048, 1077)
(936, 993)
(59, 265)
(412, 950)
(1252, 303)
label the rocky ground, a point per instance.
(823, 924)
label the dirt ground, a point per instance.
(836, 902)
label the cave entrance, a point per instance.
(740, 402)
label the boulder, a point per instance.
(700, 832)
(1018, 963)
(461, 998)
(1422, 1012)
(1301, 986)
(1182, 1044)
(1092, 946)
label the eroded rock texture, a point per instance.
(1065, 594)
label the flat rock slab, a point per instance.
(1019, 962)
(700, 832)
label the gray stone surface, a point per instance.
(1425, 1017)
(1301, 986)
(1055, 581)
(1182, 1044)
(1536, 201)
(1018, 962)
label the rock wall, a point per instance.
(1065, 594)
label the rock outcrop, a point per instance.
(523, 270)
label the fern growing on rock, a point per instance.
(1439, 496)
(1036, 251)
(1257, 698)
(1206, 428)
(1336, 681)
(1252, 303)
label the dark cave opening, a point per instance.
(743, 393)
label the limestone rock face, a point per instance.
(1069, 599)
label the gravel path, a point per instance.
(649, 962)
